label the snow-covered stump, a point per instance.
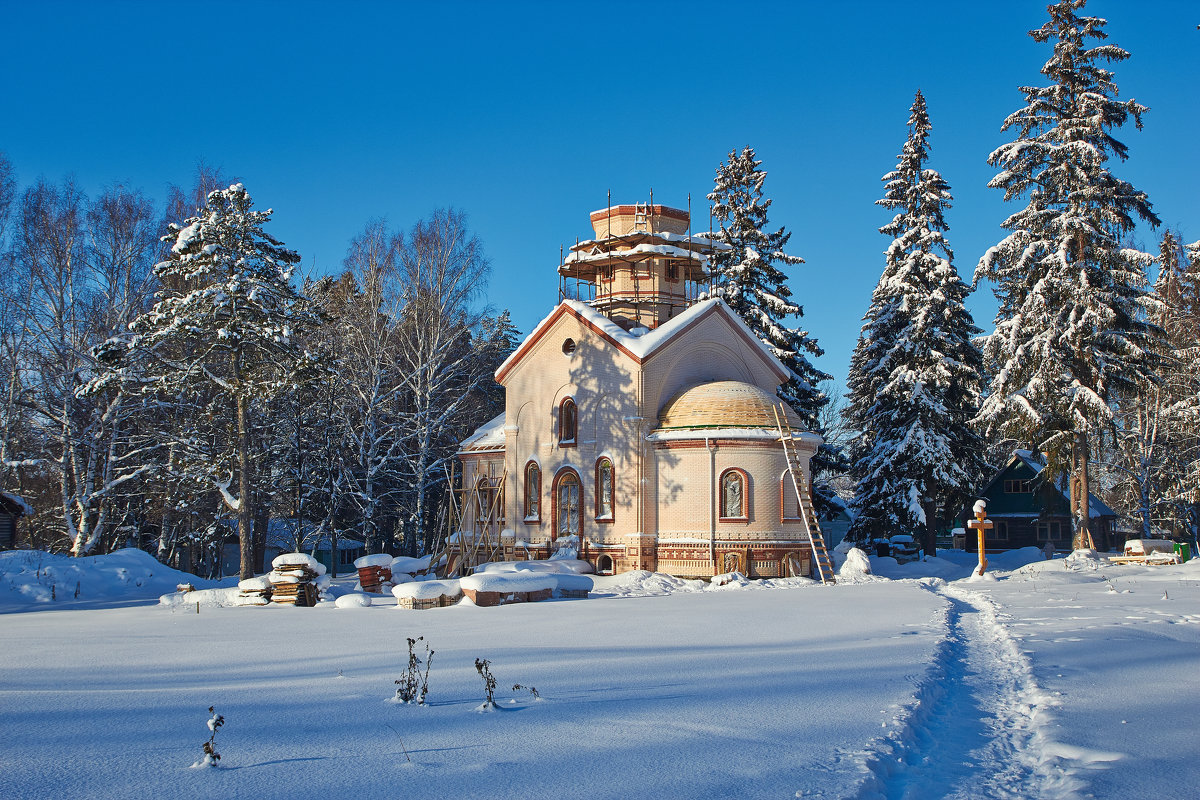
(293, 579)
(494, 589)
(374, 571)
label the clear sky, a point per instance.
(525, 114)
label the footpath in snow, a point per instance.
(1055, 680)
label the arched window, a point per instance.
(733, 490)
(533, 492)
(604, 490)
(568, 423)
(568, 504)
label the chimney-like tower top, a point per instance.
(619, 220)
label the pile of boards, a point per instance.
(1149, 551)
(427, 594)
(254, 592)
(294, 579)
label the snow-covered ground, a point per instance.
(1068, 678)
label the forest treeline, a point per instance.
(168, 379)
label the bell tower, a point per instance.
(643, 268)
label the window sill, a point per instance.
(733, 519)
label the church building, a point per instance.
(640, 425)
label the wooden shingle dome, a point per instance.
(724, 404)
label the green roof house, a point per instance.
(1026, 510)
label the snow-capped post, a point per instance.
(982, 524)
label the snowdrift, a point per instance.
(36, 578)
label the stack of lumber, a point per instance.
(499, 588)
(374, 572)
(573, 586)
(427, 594)
(254, 592)
(294, 579)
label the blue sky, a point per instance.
(525, 114)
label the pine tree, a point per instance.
(747, 278)
(224, 333)
(1070, 329)
(914, 376)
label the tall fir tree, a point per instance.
(915, 373)
(1071, 328)
(748, 279)
(225, 331)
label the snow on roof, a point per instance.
(488, 436)
(704, 239)
(1035, 462)
(19, 502)
(642, 346)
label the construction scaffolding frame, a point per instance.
(474, 523)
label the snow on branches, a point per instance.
(914, 375)
(1070, 329)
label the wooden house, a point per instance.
(12, 508)
(1027, 510)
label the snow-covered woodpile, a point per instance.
(294, 579)
(254, 592)
(498, 588)
(427, 594)
(374, 572)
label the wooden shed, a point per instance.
(12, 508)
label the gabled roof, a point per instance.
(15, 505)
(1035, 462)
(640, 348)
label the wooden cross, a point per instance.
(982, 524)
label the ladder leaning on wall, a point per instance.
(822, 562)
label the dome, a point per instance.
(724, 404)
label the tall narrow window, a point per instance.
(533, 492)
(568, 422)
(733, 494)
(604, 490)
(789, 503)
(568, 508)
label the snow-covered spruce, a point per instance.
(1071, 328)
(747, 278)
(914, 374)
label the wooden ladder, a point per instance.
(641, 217)
(816, 541)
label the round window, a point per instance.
(568, 347)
